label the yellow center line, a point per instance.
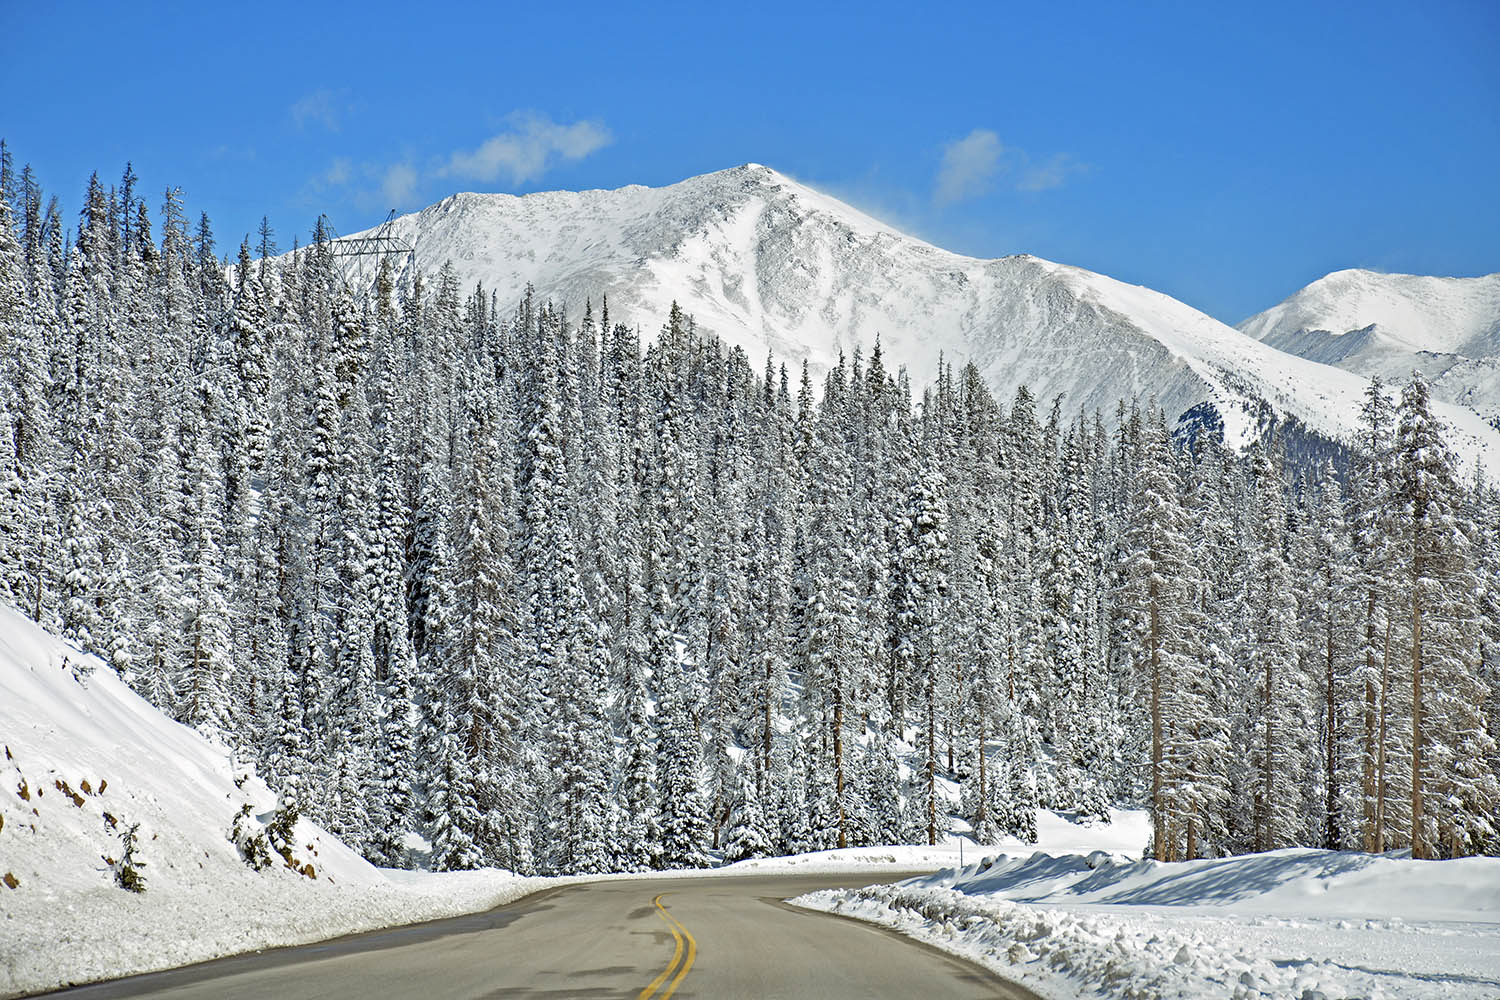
(680, 933)
(692, 953)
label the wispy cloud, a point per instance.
(321, 107)
(338, 172)
(971, 166)
(1050, 173)
(530, 146)
(399, 184)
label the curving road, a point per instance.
(646, 939)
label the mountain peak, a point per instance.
(1388, 324)
(769, 264)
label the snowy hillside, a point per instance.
(84, 760)
(771, 265)
(1293, 924)
(1389, 324)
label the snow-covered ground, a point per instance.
(1296, 923)
(1127, 833)
(81, 761)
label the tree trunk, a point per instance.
(838, 760)
(765, 735)
(1418, 843)
(1370, 732)
(1382, 779)
(948, 741)
(1263, 839)
(931, 758)
(1158, 817)
(1010, 679)
(982, 810)
(1332, 836)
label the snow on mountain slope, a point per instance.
(83, 760)
(770, 265)
(1390, 324)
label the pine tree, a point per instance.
(1322, 558)
(747, 837)
(1447, 732)
(1278, 704)
(921, 607)
(1154, 597)
(1372, 518)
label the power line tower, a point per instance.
(383, 242)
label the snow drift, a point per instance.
(1296, 923)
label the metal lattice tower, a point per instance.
(377, 244)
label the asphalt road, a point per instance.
(648, 939)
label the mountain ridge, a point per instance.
(1389, 324)
(775, 267)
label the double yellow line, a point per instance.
(684, 939)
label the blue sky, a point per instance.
(1226, 158)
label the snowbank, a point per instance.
(83, 759)
(1126, 833)
(1296, 923)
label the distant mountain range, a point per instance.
(1392, 324)
(771, 265)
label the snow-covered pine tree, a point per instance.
(1280, 714)
(1452, 800)
(921, 607)
(1155, 598)
(1327, 604)
(1372, 526)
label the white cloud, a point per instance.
(530, 146)
(1050, 173)
(338, 172)
(969, 166)
(319, 107)
(399, 185)
(973, 164)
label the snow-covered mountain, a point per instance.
(1389, 324)
(771, 265)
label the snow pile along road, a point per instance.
(1127, 832)
(83, 760)
(1297, 923)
